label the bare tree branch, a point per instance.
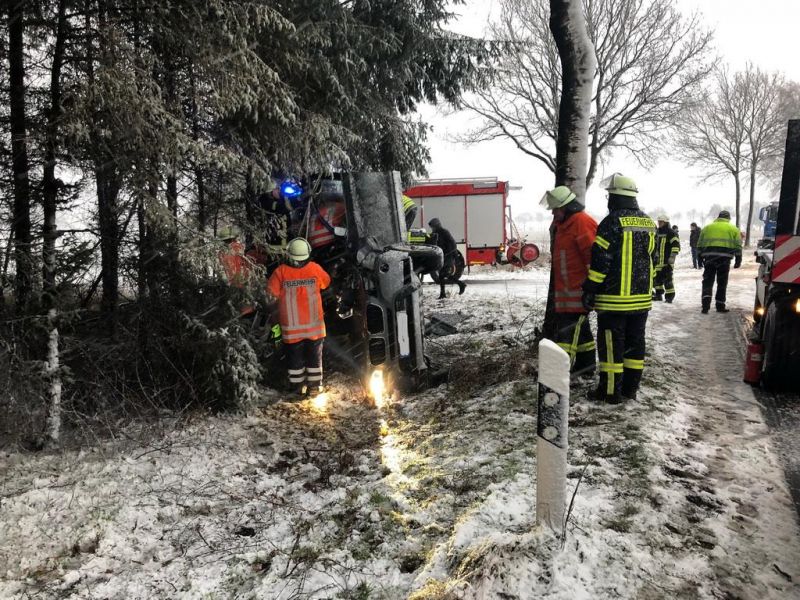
(651, 61)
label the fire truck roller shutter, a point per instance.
(485, 220)
(449, 210)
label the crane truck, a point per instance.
(776, 333)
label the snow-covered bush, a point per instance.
(193, 336)
(224, 366)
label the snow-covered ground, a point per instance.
(680, 494)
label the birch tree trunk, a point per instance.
(53, 377)
(568, 26)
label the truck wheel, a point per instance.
(781, 332)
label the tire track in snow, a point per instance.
(736, 503)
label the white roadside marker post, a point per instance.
(552, 431)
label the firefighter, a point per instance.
(619, 287)
(273, 215)
(572, 251)
(410, 210)
(668, 245)
(719, 242)
(418, 236)
(328, 218)
(276, 214)
(444, 239)
(234, 262)
(298, 285)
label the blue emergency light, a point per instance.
(291, 189)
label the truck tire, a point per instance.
(781, 337)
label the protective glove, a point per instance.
(671, 260)
(587, 299)
(700, 261)
(737, 262)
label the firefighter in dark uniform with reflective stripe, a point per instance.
(572, 250)
(719, 243)
(668, 244)
(619, 287)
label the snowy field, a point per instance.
(679, 495)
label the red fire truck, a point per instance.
(476, 212)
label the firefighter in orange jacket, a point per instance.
(298, 285)
(232, 259)
(575, 232)
(235, 264)
(328, 220)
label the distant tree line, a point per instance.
(737, 128)
(657, 87)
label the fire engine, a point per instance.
(476, 212)
(774, 352)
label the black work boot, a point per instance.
(441, 293)
(706, 306)
(721, 308)
(599, 395)
(461, 287)
(298, 392)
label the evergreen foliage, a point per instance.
(151, 122)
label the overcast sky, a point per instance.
(761, 31)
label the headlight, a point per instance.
(377, 388)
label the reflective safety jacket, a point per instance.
(408, 203)
(235, 264)
(321, 232)
(720, 238)
(667, 244)
(572, 253)
(298, 290)
(621, 272)
(417, 236)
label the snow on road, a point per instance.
(680, 495)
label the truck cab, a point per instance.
(777, 308)
(768, 215)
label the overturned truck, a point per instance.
(373, 312)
